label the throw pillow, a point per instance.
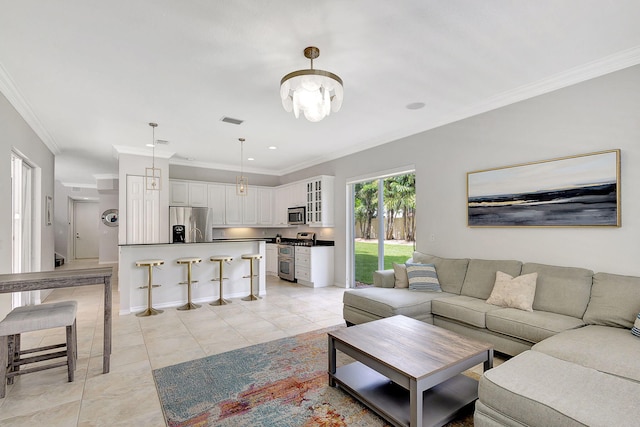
(423, 277)
(514, 292)
(636, 327)
(400, 273)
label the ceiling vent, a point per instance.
(231, 120)
(162, 142)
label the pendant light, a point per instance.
(242, 182)
(314, 92)
(153, 175)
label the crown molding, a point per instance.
(19, 102)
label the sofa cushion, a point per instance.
(481, 276)
(423, 277)
(387, 302)
(536, 389)
(529, 326)
(450, 271)
(562, 290)
(401, 279)
(514, 292)
(463, 309)
(615, 300)
(611, 350)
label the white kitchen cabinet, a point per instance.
(272, 259)
(178, 193)
(282, 202)
(198, 194)
(265, 206)
(319, 201)
(241, 210)
(187, 193)
(143, 212)
(314, 266)
(216, 201)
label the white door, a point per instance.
(85, 223)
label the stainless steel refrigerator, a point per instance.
(190, 224)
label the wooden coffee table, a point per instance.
(407, 371)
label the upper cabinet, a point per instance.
(319, 201)
(187, 193)
(178, 193)
(263, 206)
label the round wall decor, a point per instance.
(110, 217)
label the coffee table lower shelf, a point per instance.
(441, 403)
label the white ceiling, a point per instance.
(89, 75)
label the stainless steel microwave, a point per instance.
(296, 215)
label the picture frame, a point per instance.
(48, 210)
(575, 191)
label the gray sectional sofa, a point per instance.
(574, 356)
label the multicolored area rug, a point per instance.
(279, 383)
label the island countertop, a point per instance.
(170, 274)
(241, 239)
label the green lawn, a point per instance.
(367, 258)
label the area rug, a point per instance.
(279, 383)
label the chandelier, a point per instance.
(242, 182)
(153, 175)
(314, 92)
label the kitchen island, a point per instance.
(169, 275)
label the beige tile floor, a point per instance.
(127, 395)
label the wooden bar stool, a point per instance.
(149, 263)
(189, 263)
(220, 259)
(251, 257)
(34, 318)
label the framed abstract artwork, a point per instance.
(576, 191)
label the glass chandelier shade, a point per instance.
(314, 92)
(242, 182)
(153, 175)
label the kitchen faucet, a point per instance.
(195, 230)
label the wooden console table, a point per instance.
(22, 282)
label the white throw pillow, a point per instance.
(400, 273)
(514, 292)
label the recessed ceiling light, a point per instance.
(415, 105)
(273, 147)
(250, 158)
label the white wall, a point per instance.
(108, 244)
(596, 115)
(16, 134)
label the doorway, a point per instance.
(383, 224)
(86, 221)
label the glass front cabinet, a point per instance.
(319, 203)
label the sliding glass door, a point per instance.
(383, 225)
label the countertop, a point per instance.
(248, 239)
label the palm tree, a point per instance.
(367, 195)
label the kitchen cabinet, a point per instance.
(314, 265)
(178, 193)
(241, 210)
(272, 259)
(198, 194)
(319, 201)
(265, 205)
(142, 212)
(216, 201)
(187, 193)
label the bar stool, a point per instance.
(251, 257)
(34, 318)
(189, 263)
(220, 259)
(149, 263)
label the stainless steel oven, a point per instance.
(286, 262)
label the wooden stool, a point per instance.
(149, 263)
(220, 259)
(35, 318)
(251, 257)
(189, 262)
